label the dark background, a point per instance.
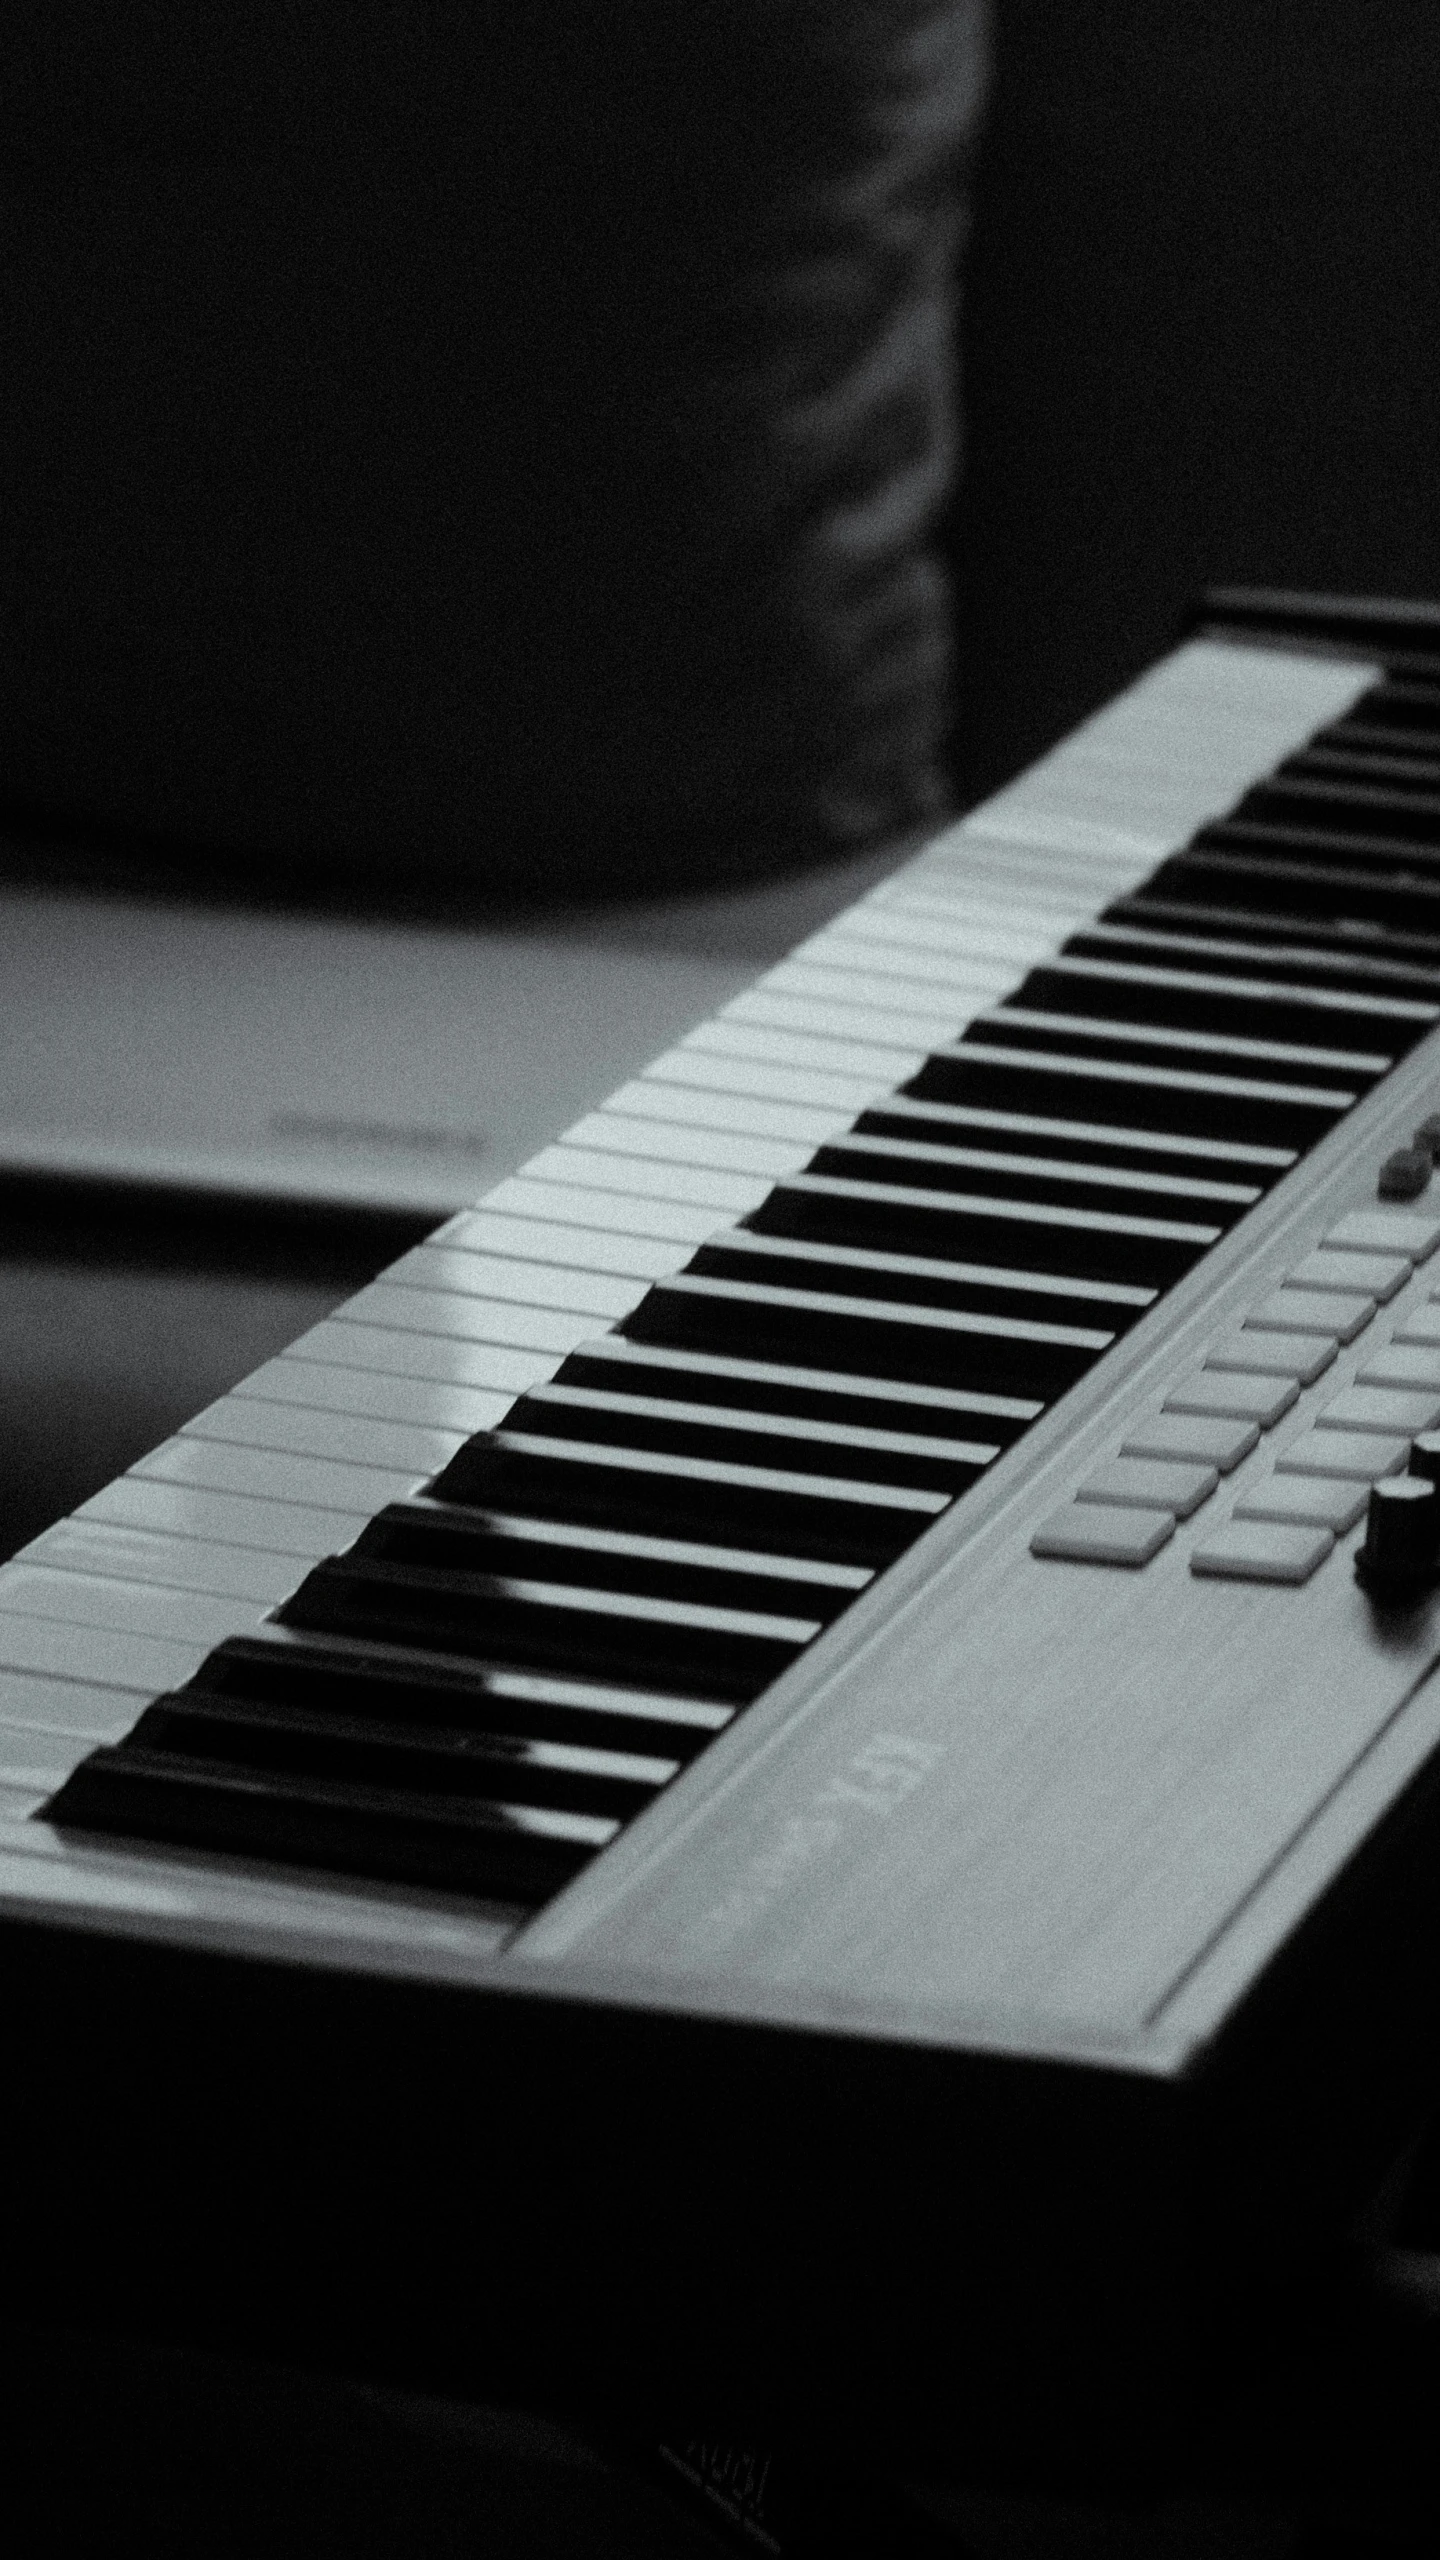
(1202, 335)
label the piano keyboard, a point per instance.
(452, 1592)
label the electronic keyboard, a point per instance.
(763, 1773)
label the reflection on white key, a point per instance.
(489, 1367)
(251, 1421)
(101, 1656)
(573, 1209)
(75, 1707)
(142, 1609)
(148, 1555)
(216, 1467)
(491, 1275)
(192, 1511)
(432, 1402)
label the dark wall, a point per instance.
(1203, 334)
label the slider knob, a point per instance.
(1402, 1537)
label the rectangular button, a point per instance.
(1274, 1355)
(1340, 1315)
(1356, 1454)
(1318, 1502)
(1421, 1326)
(1103, 1533)
(1380, 1409)
(1405, 1231)
(1401, 1364)
(1150, 1484)
(1371, 1275)
(1262, 1551)
(1261, 1400)
(1205, 1442)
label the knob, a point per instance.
(1404, 1175)
(1402, 1537)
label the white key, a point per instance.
(136, 1608)
(836, 1054)
(599, 1214)
(147, 1555)
(461, 1319)
(906, 1033)
(888, 995)
(98, 1656)
(599, 1169)
(255, 1423)
(384, 1353)
(573, 1248)
(489, 1276)
(190, 1511)
(654, 1098)
(431, 1403)
(215, 1467)
(696, 1066)
(666, 1142)
(74, 1707)
(39, 1760)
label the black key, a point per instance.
(1192, 997)
(660, 1496)
(1359, 760)
(1353, 808)
(1278, 840)
(1409, 961)
(751, 1439)
(1102, 1145)
(926, 1157)
(1164, 936)
(450, 1537)
(698, 1650)
(1170, 1098)
(1006, 1355)
(1154, 1044)
(1390, 897)
(1396, 704)
(402, 1757)
(501, 1851)
(878, 1404)
(400, 1685)
(931, 1222)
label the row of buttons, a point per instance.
(1170, 1462)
